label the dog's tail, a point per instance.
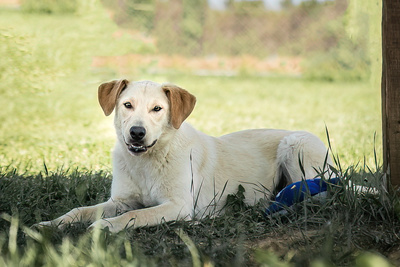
(300, 156)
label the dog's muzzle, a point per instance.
(138, 148)
(136, 143)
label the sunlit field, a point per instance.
(49, 97)
(55, 154)
(66, 126)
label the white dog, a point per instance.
(164, 169)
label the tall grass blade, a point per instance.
(191, 246)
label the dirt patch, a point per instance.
(304, 246)
(213, 65)
(10, 3)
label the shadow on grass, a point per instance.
(335, 231)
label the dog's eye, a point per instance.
(128, 105)
(157, 108)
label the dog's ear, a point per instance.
(108, 94)
(181, 104)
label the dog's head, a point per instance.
(144, 111)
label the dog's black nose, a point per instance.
(137, 133)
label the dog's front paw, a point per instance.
(112, 225)
(49, 224)
(43, 225)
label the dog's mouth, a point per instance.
(138, 148)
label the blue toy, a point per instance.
(296, 192)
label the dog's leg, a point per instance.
(167, 211)
(87, 214)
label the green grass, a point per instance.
(49, 96)
(55, 155)
(67, 127)
(338, 231)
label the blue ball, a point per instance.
(296, 192)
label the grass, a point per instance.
(67, 127)
(338, 231)
(55, 155)
(49, 97)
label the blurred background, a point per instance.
(293, 64)
(324, 39)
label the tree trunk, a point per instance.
(391, 90)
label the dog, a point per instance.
(165, 170)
